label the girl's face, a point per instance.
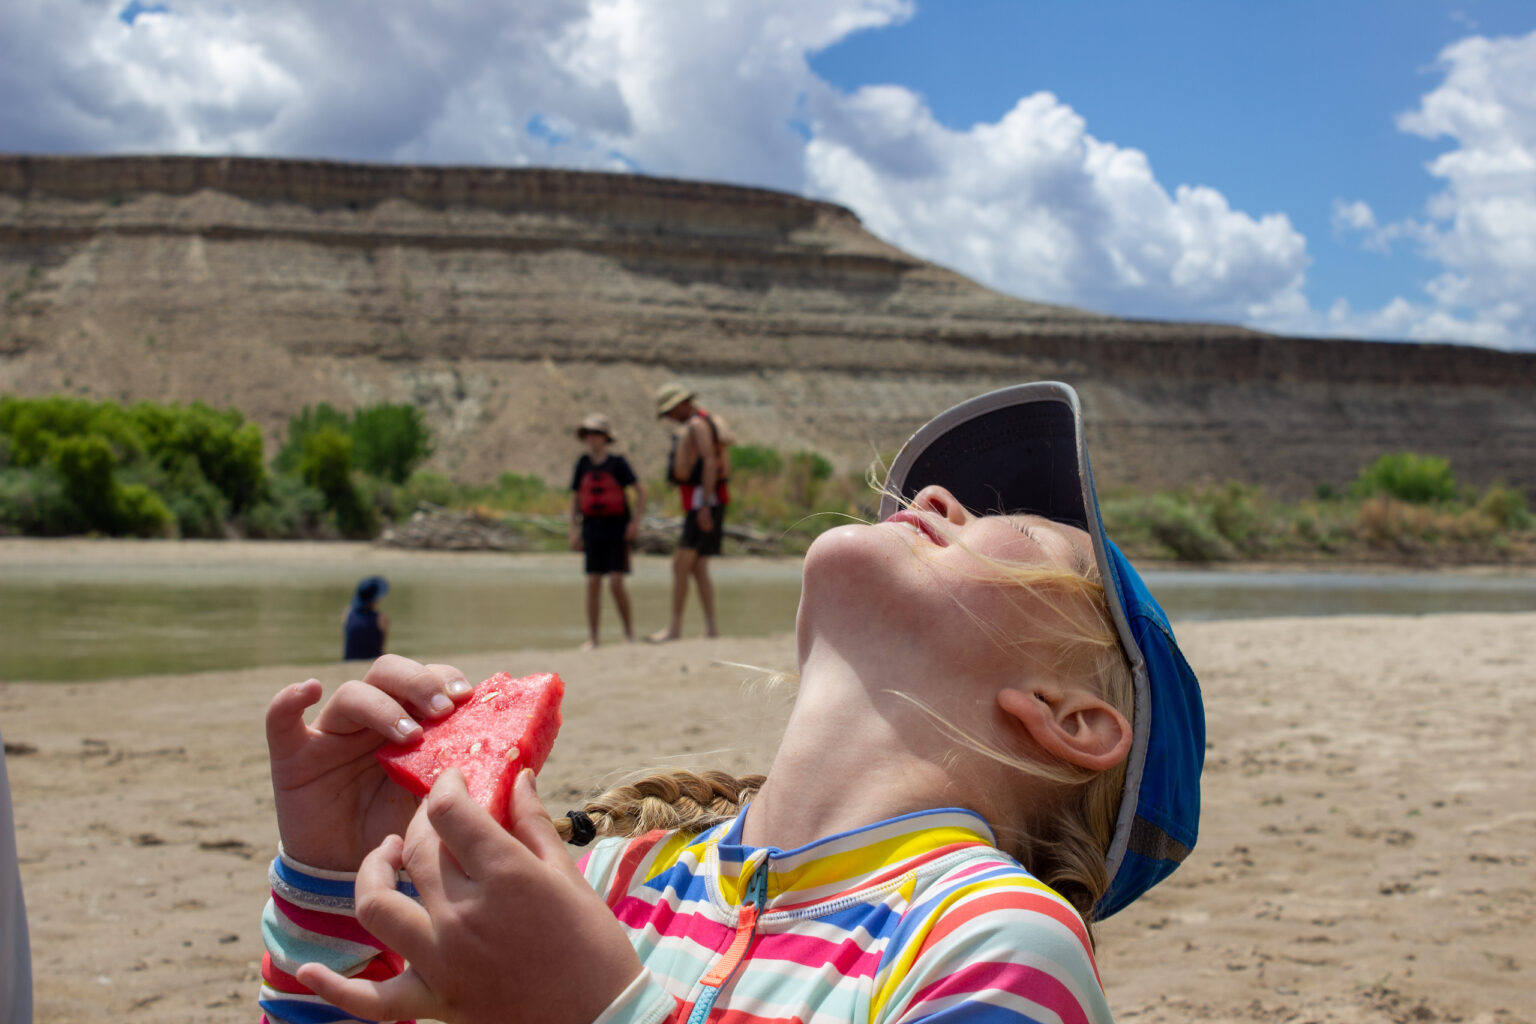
(932, 583)
(596, 443)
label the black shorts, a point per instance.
(602, 539)
(707, 544)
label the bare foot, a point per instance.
(662, 636)
(590, 645)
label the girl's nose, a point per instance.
(936, 499)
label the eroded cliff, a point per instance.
(507, 303)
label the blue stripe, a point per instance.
(309, 883)
(326, 886)
(299, 1012)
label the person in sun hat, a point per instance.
(995, 743)
(699, 466)
(602, 524)
(365, 629)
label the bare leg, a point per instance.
(683, 560)
(706, 594)
(594, 610)
(621, 598)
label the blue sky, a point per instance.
(1360, 168)
(1282, 106)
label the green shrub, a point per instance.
(287, 507)
(754, 460)
(431, 488)
(33, 503)
(516, 492)
(141, 513)
(1185, 530)
(326, 465)
(300, 427)
(200, 508)
(806, 473)
(1505, 507)
(34, 425)
(1417, 479)
(1238, 513)
(389, 441)
(222, 450)
(86, 467)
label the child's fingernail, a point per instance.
(440, 704)
(458, 687)
(406, 728)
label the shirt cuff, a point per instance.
(320, 889)
(644, 1001)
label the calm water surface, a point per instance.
(77, 620)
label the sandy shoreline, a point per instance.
(129, 551)
(1366, 853)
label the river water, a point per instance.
(83, 620)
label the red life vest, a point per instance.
(600, 494)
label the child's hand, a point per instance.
(507, 929)
(334, 802)
(575, 539)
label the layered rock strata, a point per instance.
(507, 303)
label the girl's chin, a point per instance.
(847, 545)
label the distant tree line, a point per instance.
(73, 466)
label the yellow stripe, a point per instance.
(900, 968)
(669, 851)
(837, 868)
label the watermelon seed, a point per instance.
(476, 748)
(512, 753)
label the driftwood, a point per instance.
(454, 531)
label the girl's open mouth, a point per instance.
(920, 524)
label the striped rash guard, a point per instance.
(917, 918)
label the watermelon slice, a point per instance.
(504, 726)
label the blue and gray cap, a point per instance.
(1020, 450)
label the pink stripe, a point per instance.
(1032, 983)
(636, 914)
(336, 926)
(845, 957)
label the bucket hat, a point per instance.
(1020, 449)
(670, 395)
(369, 590)
(596, 423)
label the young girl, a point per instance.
(994, 742)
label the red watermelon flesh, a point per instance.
(504, 726)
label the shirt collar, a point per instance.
(871, 857)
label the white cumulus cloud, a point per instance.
(1031, 203)
(1480, 228)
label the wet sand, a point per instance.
(1366, 854)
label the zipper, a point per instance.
(726, 966)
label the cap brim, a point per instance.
(1020, 450)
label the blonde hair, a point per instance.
(677, 800)
(1065, 850)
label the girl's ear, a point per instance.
(1070, 724)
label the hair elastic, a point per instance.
(583, 831)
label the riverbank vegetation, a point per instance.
(71, 466)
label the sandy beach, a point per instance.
(1366, 851)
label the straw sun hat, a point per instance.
(596, 423)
